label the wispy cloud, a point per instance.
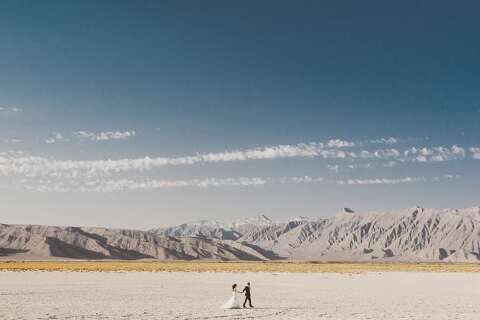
(337, 168)
(116, 185)
(34, 165)
(12, 141)
(112, 185)
(382, 181)
(389, 140)
(393, 181)
(11, 109)
(40, 173)
(475, 151)
(333, 167)
(414, 154)
(297, 180)
(338, 143)
(436, 154)
(390, 164)
(41, 166)
(56, 138)
(105, 135)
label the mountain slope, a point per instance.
(215, 229)
(46, 242)
(415, 234)
(202, 228)
(412, 235)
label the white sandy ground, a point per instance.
(137, 295)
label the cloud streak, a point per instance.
(117, 185)
(31, 166)
(11, 109)
(389, 140)
(40, 166)
(12, 141)
(475, 152)
(56, 138)
(337, 143)
(393, 181)
(105, 135)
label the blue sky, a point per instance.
(221, 110)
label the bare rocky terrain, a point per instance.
(415, 234)
(47, 242)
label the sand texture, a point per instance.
(175, 295)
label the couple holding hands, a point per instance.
(234, 301)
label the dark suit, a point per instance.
(248, 297)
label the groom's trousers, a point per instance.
(247, 298)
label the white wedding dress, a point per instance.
(233, 302)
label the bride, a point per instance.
(234, 301)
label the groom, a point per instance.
(248, 298)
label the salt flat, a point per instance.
(175, 295)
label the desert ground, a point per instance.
(276, 295)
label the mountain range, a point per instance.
(415, 235)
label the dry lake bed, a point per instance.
(194, 295)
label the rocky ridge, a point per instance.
(416, 234)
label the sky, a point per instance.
(139, 114)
